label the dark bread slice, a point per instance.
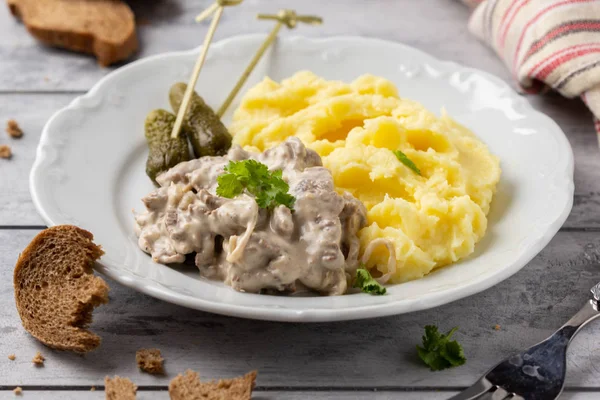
(105, 28)
(189, 387)
(56, 290)
(150, 361)
(119, 388)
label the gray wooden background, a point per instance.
(372, 359)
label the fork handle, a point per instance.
(588, 313)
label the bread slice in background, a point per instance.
(189, 387)
(56, 290)
(118, 388)
(105, 28)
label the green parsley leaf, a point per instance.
(366, 283)
(242, 169)
(406, 161)
(268, 188)
(453, 353)
(229, 186)
(438, 352)
(285, 199)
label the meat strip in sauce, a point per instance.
(250, 248)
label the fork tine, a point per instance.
(480, 387)
(501, 394)
(497, 393)
(486, 396)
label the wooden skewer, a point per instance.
(210, 10)
(217, 10)
(283, 17)
(207, 13)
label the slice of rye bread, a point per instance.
(118, 388)
(189, 387)
(56, 290)
(105, 28)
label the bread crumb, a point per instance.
(119, 388)
(150, 361)
(93, 389)
(13, 129)
(189, 386)
(18, 391)
(38, 359)
(12, 357)
(497, 327)
(5, 151)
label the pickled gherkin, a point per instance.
(206, 132)
(165, 152)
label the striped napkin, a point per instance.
(545, 44)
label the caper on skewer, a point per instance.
(207, 134)
(165, 152)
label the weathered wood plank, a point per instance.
(278, 395)
(257, 395)
(574, 119)
(169, 26)
(31, 112)
(376, 353)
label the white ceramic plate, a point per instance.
(89, 169)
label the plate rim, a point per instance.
(393, 307)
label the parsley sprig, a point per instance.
(403, 158)
(365, 282)
(438, 352)
(267, 187)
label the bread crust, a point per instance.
(118, 388)
(90, 36)
(56, 290)
(189, 387)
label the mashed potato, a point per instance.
(432, 219)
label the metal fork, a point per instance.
(539, 372)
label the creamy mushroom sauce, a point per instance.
(249, 248)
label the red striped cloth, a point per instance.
(545, 44)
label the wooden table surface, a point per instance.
(373, 359)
